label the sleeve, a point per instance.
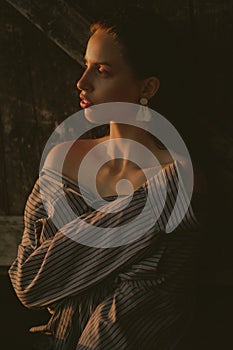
(54, 264)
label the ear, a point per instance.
(149, 87)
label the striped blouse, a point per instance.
(133, 294)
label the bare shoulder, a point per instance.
(67, 156)
(56, 155)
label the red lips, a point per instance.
(85, 102)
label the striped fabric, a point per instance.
(132, 296)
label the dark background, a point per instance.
(39, 68)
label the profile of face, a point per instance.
(107, 77)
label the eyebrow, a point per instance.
(99, 63)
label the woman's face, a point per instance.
(107, 77)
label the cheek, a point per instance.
(127, 90)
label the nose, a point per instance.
(84, 83)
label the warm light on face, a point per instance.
(107, 77)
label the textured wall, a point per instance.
(37, 91)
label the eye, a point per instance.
(101, 70)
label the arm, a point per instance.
(59, 263)
(50, 265)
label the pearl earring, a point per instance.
(143, 101)
(143, 114)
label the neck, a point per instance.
(123, 150)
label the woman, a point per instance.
(134, 295)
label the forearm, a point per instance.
(61, 266)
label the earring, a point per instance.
(143, 101)
(143, 114)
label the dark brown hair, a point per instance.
(144, 38)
